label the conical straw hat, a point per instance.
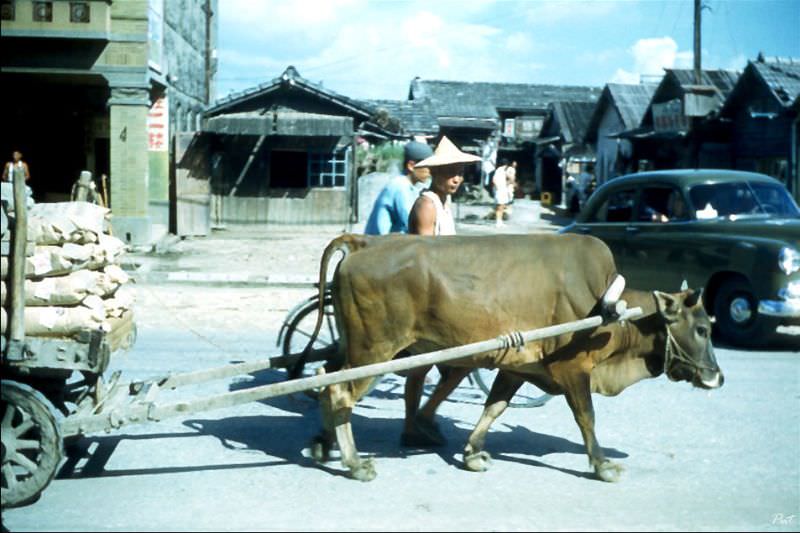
(447, 154)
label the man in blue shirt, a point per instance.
(391, 209)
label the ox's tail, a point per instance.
(347, 244)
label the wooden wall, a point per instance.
(315, 206)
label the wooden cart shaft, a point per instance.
(143, 407)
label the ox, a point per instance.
(423, 293)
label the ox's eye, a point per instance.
(702, 331)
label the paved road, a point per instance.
(728, 460)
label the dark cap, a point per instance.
(416, 151)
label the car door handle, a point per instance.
(632, 230)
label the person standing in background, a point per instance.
(18, 163)
(500, 182)
(511, 180)
(393, 204)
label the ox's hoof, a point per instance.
(609, 471)
(365, 471)
(320, 449)
(478, 461)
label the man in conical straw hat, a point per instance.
(432, 215)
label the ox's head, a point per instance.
(688, 354)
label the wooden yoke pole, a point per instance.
(153, 411)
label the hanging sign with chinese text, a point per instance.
(158, 126)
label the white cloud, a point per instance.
(263, 15)
(556, 11)
(652, 56)
(518, 42)
(737, 63)
(623, 76)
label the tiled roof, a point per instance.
(483, 100)
(415, 116)
(292, 77)
(782, 76)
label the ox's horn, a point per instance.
(693, 298)
(684, 284)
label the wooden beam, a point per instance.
(247, 165)
(16, 288)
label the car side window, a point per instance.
(654, 204)
(618, 207)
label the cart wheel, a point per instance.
(528, 395)
(31, 443)
(299, 332)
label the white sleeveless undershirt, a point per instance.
(445, 224)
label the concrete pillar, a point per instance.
(128, 108)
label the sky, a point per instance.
(371, 49)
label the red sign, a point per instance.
(158, 126)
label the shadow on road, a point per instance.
(283, 439)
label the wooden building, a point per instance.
(762, 115)
(104, 86)
(283, 152)
(563, 151)
(620, 108)
(678, 129)
(496, 118)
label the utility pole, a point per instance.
(695, 137)
(697, 63)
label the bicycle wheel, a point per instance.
(528, 395)
(300, 330)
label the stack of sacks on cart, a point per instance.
(73, 278)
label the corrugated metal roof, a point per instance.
(574, 118)
(722, 80)
(782, 76)
(631, 101)
(484, 99)
(416, 116)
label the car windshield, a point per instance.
(734, 200)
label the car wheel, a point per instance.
(737, 318)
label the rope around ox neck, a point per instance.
(674, 351)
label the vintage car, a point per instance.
(735, 234)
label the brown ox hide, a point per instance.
(426, 293)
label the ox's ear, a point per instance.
(693, 298)
(668, 306)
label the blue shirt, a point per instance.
(392, 206)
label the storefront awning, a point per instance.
(268, 123)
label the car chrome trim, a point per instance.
(780, 308)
